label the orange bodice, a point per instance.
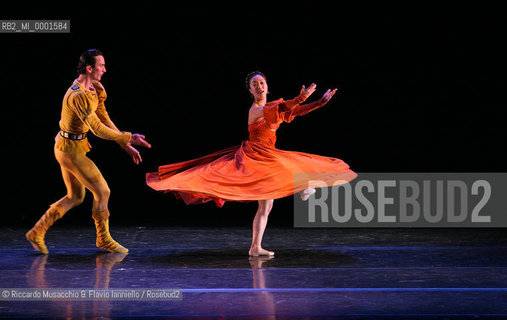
(260, 132)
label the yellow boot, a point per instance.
(104, 239)
(37, 233)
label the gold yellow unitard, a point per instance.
(83, 110)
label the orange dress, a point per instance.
(255, 170)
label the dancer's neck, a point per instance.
(85, 81)
(260, 102)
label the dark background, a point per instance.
(422, 89)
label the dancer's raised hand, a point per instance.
(328, 94)
(308, 92)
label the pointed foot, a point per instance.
(305, 194)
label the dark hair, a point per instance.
(251, 75)
(87, 58)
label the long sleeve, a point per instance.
(303, 109)
(290, 104)
(103, 131)
(288, 114)
(81, 106)
(101, 109)
(104, 117)
(285, 111)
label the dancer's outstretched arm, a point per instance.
(124, 139)
(303, 109)
(303, 95)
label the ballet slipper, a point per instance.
(38, 232)
(305, 194)
(104, 239)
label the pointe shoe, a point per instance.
(305, 194)
(38, 232)
(104, 239)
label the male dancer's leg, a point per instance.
(85, 170)
(75, 196)
(86, 173)
(75, 191)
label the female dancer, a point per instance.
(255, 170)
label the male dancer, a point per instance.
(83, 109)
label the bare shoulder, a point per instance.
(255, 114)
(256, 110)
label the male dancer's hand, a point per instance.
(137, 140)
(134, 154)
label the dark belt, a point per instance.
(72, 136)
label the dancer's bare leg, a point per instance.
(258, 226)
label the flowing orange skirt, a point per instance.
(251, 171)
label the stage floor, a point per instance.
(315, 273)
